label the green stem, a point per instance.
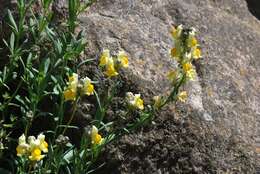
(101, 111)
(14, 94)
(60, 116)
(174, 92)
(72, 115)
(30, 168)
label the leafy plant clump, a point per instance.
(41, 91)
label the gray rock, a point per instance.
(227, 90)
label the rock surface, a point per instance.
(226, 94)
(227, 90)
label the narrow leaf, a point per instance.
(12, 21)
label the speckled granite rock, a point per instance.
(227, 89)
(226, 93)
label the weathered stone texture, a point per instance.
(227, 89)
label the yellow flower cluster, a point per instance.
(96, 138)
(188, 70)
(110, 64)
(34, 148)
(85, 87)
(185, 49)
(176, 35)
(192, 43)
(134, 100)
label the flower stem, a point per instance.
(72, 115)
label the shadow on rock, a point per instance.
(254, 7)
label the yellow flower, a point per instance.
(43, 144)
(96, 138)
(73, 82)
(22, 147)
(196, 53)
(105, 55)
(187, 66)
(135, 100)
(139, 103)
(172, 75)
(192, 41)
(36, 154)
(183, 96)
(112, 64)
(175, 53)
(176, 32)
(157, 101)
(187, 56)
(88, 87)
(123, 59)
(69, 94)
(191, 74)
(33, 142)
(110, 69)
(21, 150)
(189, 71)
(34, 147)
(37, 146)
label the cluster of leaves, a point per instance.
(35, 93)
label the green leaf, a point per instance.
(12, 40)
(12, 21)
(67, 170)
(7, 125)
(46, 4)
(57, 63)
(13, 118)
(20, 99)
(4, 73)
(100, 112)
(21, 5)
(54, 79)
(46, 65)
(58, 45)
(106, 126)
(69, 127)
(126, 130)
(84, 62)
(31, 75)
(68, 156)
(7, 45)
(81, 153)
(56, 90)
